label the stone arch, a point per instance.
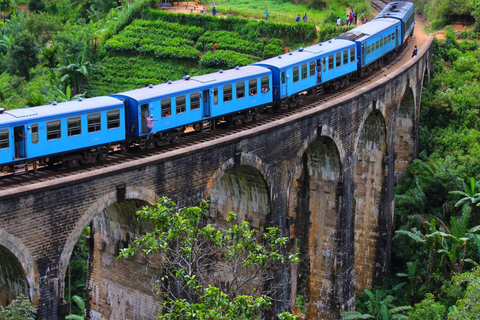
(16, 255)
(95, 209)
(315, 210)
(370, 198)
(405, 135)
(241, 187)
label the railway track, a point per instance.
(189, 139)
(378, 5)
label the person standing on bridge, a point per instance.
(415, 51)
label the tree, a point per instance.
(22, 55)
(210, 271)
(36, 5)
(6, 6)
(80, 302)
(427, 309)
(19, 309)
(379, 306)
(469, 306)
(75, 72)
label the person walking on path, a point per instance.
(354, 17)
(214, 11)
(339, 22)
(415, 51)
(348, 19)
(305, 17)
(266, 15)
(298, 18)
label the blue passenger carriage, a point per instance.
(403, 11)
(310, 68)
(374, 41)
(72, 132)
(234, 95)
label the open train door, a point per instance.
(206, 103)
(20, 139)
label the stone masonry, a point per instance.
(324, 176)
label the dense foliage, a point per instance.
(437, 242)
(210, 271)
(19, 309)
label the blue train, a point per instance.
(84, 131)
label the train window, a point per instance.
(35, 133)
(166, 106)
(381, 42)
(283, 77)
(345, 57)
(373, 47)
(304, 71)
(368, 49)
(265, 84)
(352, 54)
(312, 68)
(181, 104)
(4, 139)
(94, 123)
(227, 93)
(377, 45)
(338, 58)
(330, 62)
(389, 38)
(252, 87)
(295, 74)
(385, 40)
(215, 96)
(240, 90)
(393, 36)
(324, 65)
(54, 130)
(74, 126)
(194, 101)
(113, 119)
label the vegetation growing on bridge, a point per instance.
(211, 271)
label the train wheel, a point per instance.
(198, 127)
(73, 163)
(6, 169)
(102, 154)
(238, 122)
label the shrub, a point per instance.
(226, 58)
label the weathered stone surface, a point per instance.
(325, 177)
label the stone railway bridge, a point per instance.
(325, 177)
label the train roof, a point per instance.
(59, 110)
(366, 30)
(304, 54)
(193, 83)
(329, 46)
(397, 9)
(287, 59)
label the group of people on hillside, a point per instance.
(352, 19)
(305, 18)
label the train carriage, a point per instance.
(74, 131)
(374, 41)
(403, 11)
(310, 68)
(233, 94)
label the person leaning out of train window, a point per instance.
(18, 137)
(149, 120)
